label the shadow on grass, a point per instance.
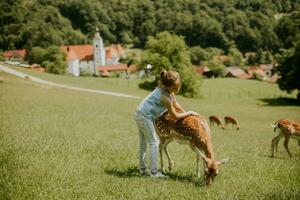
(295, 157)
(128, 173)
(134, 172)
(197, 182)
(281, 101)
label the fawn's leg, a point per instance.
(170, 161)
(286, 145)
(275, 143)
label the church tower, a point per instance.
(98, 51)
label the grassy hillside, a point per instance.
(61, 144)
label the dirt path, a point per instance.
(38, 80)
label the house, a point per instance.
(204, 71)
(273, 79)
(15, 55)
(106, 70)
(256, 71)
(237, 73)
(267, 68)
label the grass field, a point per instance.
(62, 144)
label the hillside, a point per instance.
(249, 25)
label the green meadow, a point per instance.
(62, 144)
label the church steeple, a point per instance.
(98, 51)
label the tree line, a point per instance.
(248, 25)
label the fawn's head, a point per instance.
(211, 169)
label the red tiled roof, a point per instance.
(266, 66)
(202, 69)
(259, 72)
(85, 52)
(80, 52)
(118, 67)
(114, 50)
(71, 55)
(245, 76)
(237, 72)
(12, 53)
(252, 68)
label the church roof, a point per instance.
(80, 52)
(85, 52)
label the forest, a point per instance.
(248, 25)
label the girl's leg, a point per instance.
(142, 151)
(153, 141)
(142, 142)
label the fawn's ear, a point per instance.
(220, 162)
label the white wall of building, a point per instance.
(87, 66)
(73, 67)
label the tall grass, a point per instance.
(61, 144)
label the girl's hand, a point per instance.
(193, 113)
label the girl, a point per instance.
(159, 100)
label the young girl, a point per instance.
(159, 100)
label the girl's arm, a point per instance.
(168, 104)
(176, 105)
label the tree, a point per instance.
(52, 59)
(236, 57)
(198, 55)
(2, 58)
(287, 29)
(289, 69)
(37, 55)
(217, 67)
(167, 51)
(247, 39)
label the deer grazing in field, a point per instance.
(216, 120)
(287, 129)
(192, 130)
(232, 120)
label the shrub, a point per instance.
(217, 68)
(56, 67)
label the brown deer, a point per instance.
(287, 129)
(232, 120)
(216, 120)
(192, 130)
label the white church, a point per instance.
(94, 59)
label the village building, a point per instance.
(204, 71)
(256, 71)
(94, 59)
(267, 68)
(15, 55)
(237, 72)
